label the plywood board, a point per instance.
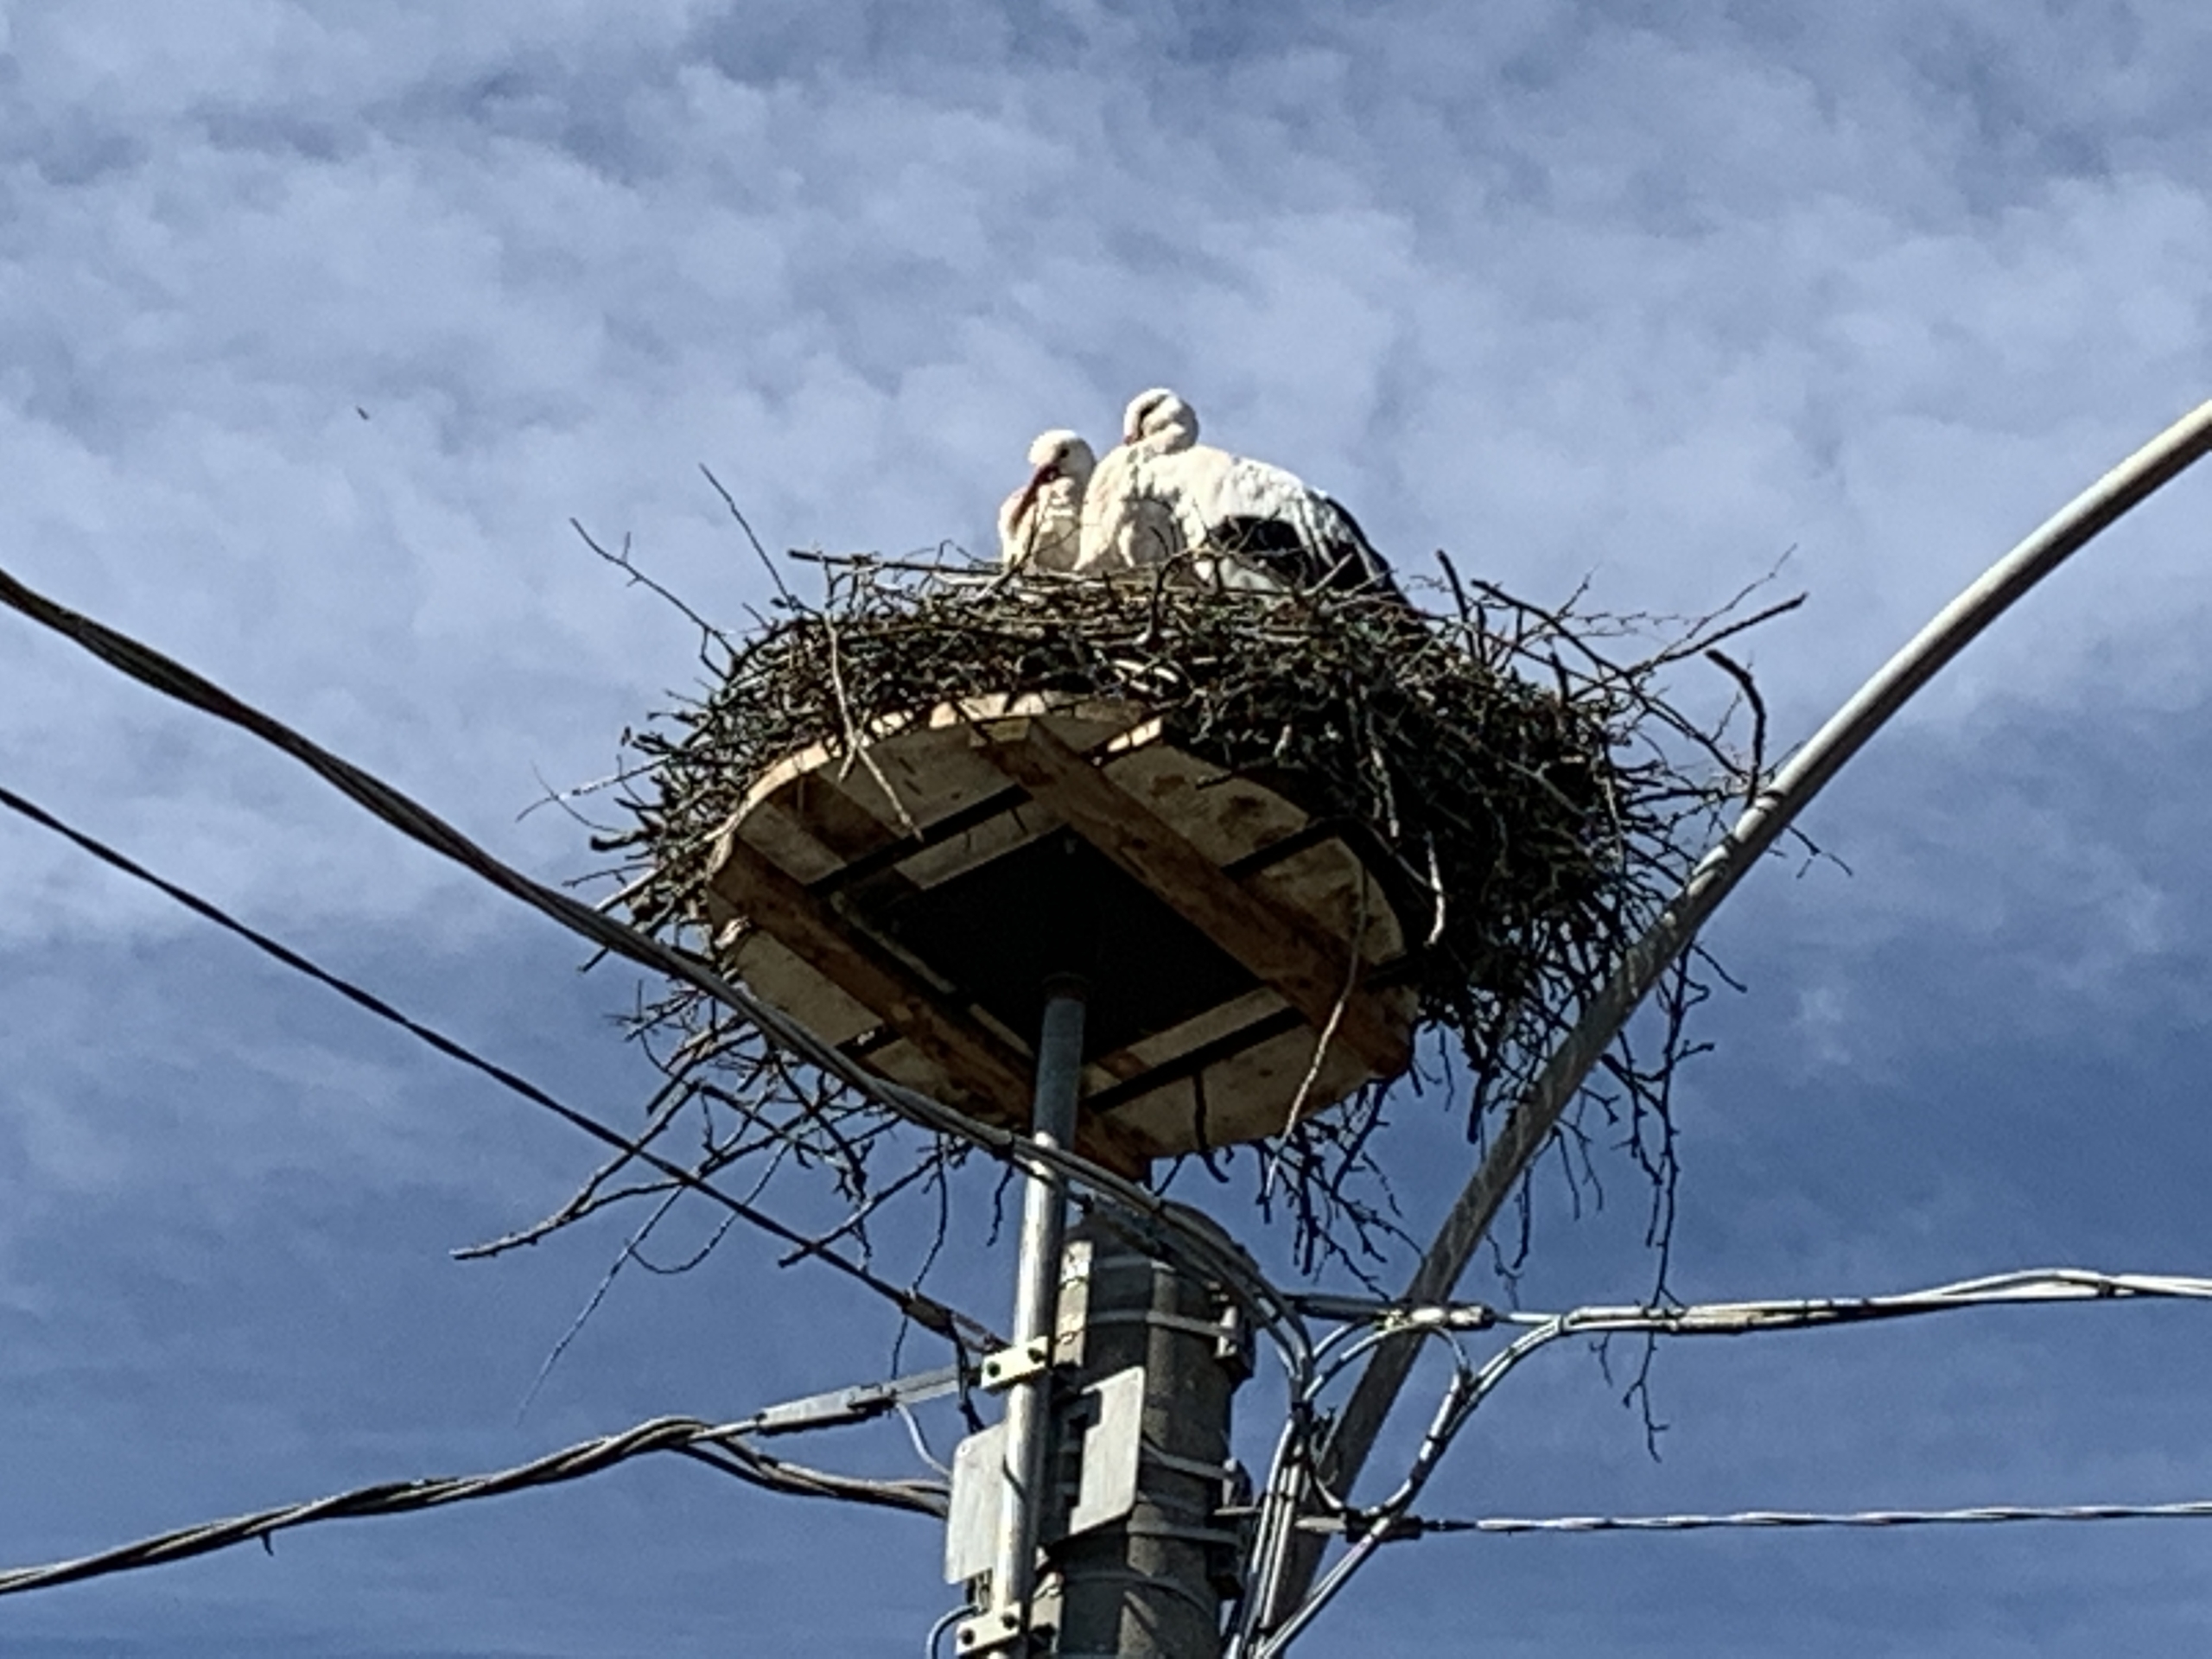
(820, 847)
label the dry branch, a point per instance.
(1513, 774)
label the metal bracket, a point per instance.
(1182, 1322)
(1105, 1435)
(1234, 1346)
(1113, 1449)
(1219, 1472)
(853, 1405)
(1008, 1366)
(991, 1632)
(1142, 1528)
(1231, 1332)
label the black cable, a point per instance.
(724, 1447)
(925, 1311)
(171, 678)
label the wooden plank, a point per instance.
(1280, 947)
(777, 904)
(1222, 814)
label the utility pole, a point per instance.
(1113, 1475)
(1150, 1584)
(1192, 951)
(1112, 1459)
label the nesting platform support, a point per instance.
(976, 1059)
(899, 897)
(1028, 1435)
(1277, 945)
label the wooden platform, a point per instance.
(907, 901)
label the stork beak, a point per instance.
(1038, 480)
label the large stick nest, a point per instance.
(1491, 804)
(1513, 774)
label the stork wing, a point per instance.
(1352, 562)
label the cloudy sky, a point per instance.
(317, 321)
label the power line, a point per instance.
(1529, 1126)
(1418, 1526)
(2020, 1287)
(726, 1447)
(1281, 1530)
(1146, 1211)
(925, 1311)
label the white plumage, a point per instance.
(1040, 523)
(1245, 523)
(1129, 516)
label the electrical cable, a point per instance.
(1370, 1526)
(725, 1446)
(1991, 1514)
(1146, 1211)
(924, 1310)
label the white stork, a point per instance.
(1247, 524)
(1130, 519)
(1039, 524)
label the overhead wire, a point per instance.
(1982, 1515)
(935, 1639)
(1145, 1212)
(726, 1447)
(926, 1311)
(1369, 1526)
(1379, 1319)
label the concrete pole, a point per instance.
(1152, 1585)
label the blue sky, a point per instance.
(1650, 293)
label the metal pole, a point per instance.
(1529, 1125)
(1028, 1406)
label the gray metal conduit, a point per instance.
(1533, 1118)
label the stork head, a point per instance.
(1060, 454)
(1160, 420)
(1056, 454)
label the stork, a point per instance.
(1129, 520)
(1247, 524)
(1039, 524)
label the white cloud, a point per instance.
(1653, 291)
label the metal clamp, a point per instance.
(1184, 1323)
(1219, 1472)
(1003, 1369)
(994, 1631)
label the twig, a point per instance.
(1755, 775)
(638, 578)
(759, 552)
